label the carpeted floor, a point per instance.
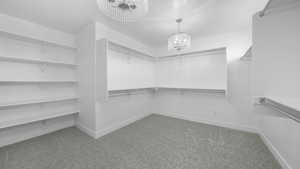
(156, 142)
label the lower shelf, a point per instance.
(32, 119)
(39, 101)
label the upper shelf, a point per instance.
(36, 61)
(32, 39)
(289, 107)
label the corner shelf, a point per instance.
(121, 92)
(36, 61)
(37, 101)
(288, 107)
(32, 119)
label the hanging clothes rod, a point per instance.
(263, 12)
(291, 112)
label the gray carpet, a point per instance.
(156, 142)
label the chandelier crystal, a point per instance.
(180, 40)
(124, 10)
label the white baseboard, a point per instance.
(86, 130)
(119, 125)
(214, 123)
(284, 164)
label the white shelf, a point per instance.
(36, 40)
(40, 81)
(37, 101)
(36, 61)
(121, 92)
(287, 106)
(30, 119)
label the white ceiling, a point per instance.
(201, 17)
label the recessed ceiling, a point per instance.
(200, 17)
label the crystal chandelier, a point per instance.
(124, 10)
(180, 40)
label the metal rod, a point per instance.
(290, 112)
(263, 12)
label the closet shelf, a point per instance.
(37, 101)
(38, 81)
(36, 61)
(288, 107)
(112, 93)
(31, 119)
(32, 39)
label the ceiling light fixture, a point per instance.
(180, 40)
(124, 10)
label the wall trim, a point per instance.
(86, 130)
(120, 125)
(284, 164)
(215, 123)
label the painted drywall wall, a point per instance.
(86, 76)
(127, 71)
(275, 72)
(206, 70)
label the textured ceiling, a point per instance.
(201, 17)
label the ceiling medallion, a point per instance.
(124, 10)
(180, 40)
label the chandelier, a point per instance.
(124, 10)
(180, 40)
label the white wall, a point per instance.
(127, 71)
(86, 76)
(206, 70)
(275, 72)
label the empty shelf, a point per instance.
(289, 107)
(38, 101)
(38, 81)
(32, 118)
(157, 89)
(36, 61)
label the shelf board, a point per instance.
(37, 101)
(287, 106)
(30, 39)
(37, 81)
(36, 61)
(122, 92)
(36, 118)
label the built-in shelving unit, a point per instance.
(39, 79)
(288, 107)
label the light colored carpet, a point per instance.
(156, 142)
